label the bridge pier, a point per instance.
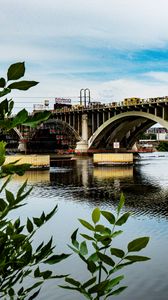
(82, 145)
(22, 146)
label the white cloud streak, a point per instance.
(57, 40)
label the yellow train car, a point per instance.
(131, 101)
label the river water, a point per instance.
(77, 187)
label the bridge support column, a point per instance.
(22, 146)
(82, 146)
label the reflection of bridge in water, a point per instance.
(92, 128)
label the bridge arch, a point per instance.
(18, 133)
(124, 128)
(64, 124)
(53, 135)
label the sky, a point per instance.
(116, 48)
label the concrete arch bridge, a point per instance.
(93, 129)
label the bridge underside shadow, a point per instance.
(51, 136)
(125, 128)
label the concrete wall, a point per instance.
(113, 158)
(35, 160)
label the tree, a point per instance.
(102, 260)
(163, 146)
(18, 259)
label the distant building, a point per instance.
(161, 133)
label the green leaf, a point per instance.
(73, 249)
(46, 274)
(109, 216)
(2, 82)
(33, 287)
(117, 252)
(37, 272)
(123, 219)
(138, 244)
(100, 228)
(93, 257)
(16, 71)
(29, 225)
(96, 215)
(86, 224)
(43, 116)
(5, 184)
(72, 281)
(91, 266)
(89, 282)
(54, 210)
(83, 248)
(17, 223)
(106, 259)
(114, 282)
(38, 222)
(117, 292)
(9, 197)
(137, 258)
(33, 121)
(99, 287)
(87, 237)
(19, 237)
(56, 258)
(11, 292)
(4, 92)
(21, 189)
(116, 233)
(121, 203)
(73, 239)
(10, 107)
(2, 152)
(20, 118)
(20, 292)
(120, 266)
(68, 287)
(15, 169)
(3, 204)
(22, 85)
(40, 246)
(34, 295)
(2, 160)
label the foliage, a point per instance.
(7, 122)
(18, 259)
(104, 260)
(163, 146)
(147, 136)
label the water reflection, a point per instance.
(77, 186)
(34, 176)
(145, 188)
(144, 191)
(112, 172)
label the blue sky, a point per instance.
(116, 48)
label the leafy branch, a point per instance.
(104, 260)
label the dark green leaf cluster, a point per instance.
(7, 122)
(18, 259)
(105, 259)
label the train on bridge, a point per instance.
(62, 104)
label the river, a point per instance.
(77, 187)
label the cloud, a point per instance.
(158, 76)
(117, 48)
(119, 23)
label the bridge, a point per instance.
(101, 126)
